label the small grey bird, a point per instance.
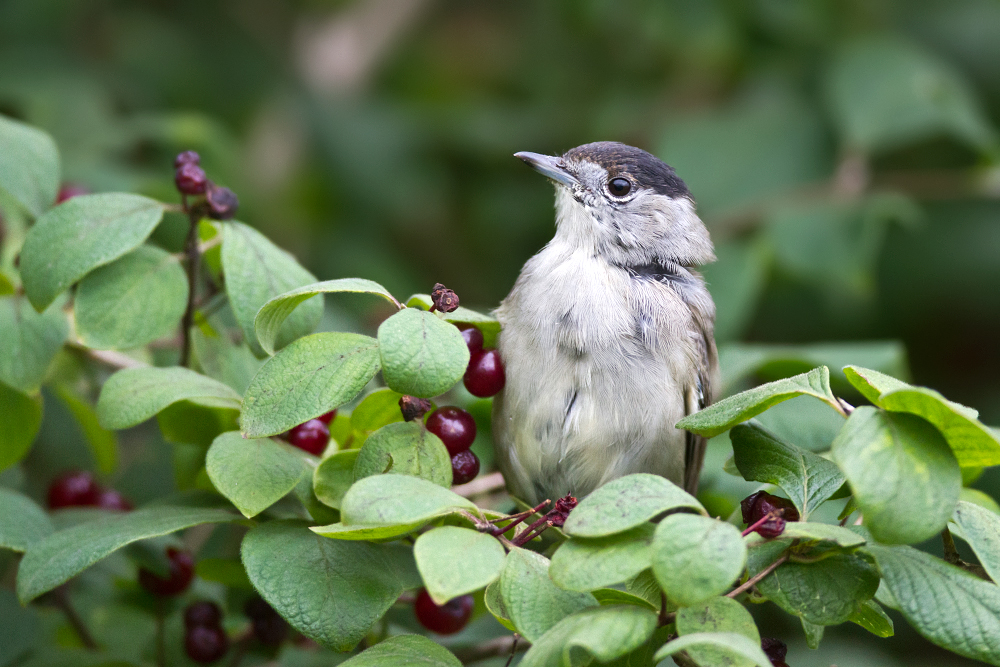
(607, 335)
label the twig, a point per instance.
(481, 486)
(665, 617)
(61, 598)
(108, 357)
(493, 648)
(193, 259)
(743, 588)
(950, 551)
(513, 648)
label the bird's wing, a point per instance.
(697, 396)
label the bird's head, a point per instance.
(626, 204)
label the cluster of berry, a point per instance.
(220, 203)
(80, 489)
(204, 639)
(485, 375)
(312, 436)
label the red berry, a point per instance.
(206, 644)
(70, 190)
(181, 574)
(485, 376)
(112, 500)
(447, 619)
(313, 436)
(455, 427)
(327, 417)
(190, 179)
(222, 202)
(202, 614)
(464, 467)
(473, 339)
(268, 626)
(774, 649)
(187, 157)
(757, 506)
(74, 489)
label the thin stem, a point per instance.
(770, 516)
(743, 588)
(665, 617)
(950, 551)
(161, 644)
(513, 649)
(61, 598)
(193, 260)
(519, 518)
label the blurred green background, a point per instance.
(844, 154)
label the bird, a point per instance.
(607, 336)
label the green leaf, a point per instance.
(808, 531)
(132, 301)
(808, 479)
(585, 564)
(730, 642)
(719, 614)
(133, 395)
(493, 600)
(422, 355)
(904, 477)
(454, 561)
(220, 359)
(310, 377)
(29, 342)
(534, 603)
(273, 314)
(886, 92)
(187, 423)
(696, 558)
(406, 448)
(64, 554)
(334, 476)
(78, 236)
(610, 596)
(981, 529)
(826, 592)
(625, 503)
(647, 587)
(813, 633)
(256, 271)
(973, 443)
(103, 443)
(948, 606)
(389, 505)
(329, 590)
(873, 618)
(404, 651)
(20, 419)
(600, 634)
(29, 165)
(22, 522)
(376, 410)
(462, 315)
(720, 417)
(253, 474)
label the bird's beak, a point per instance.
(552, 167)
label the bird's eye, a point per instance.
(619, 187)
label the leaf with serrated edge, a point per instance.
(256, 271)
(422, 355)
(905, 479)
(133, 395)
(404, 651)
(29, 342)
(948, 606)
(605, 633)
(310, 377)
(585, 564)
(22, 522)
(808, 479)
(405, 448)
(79, 235)
(696, 558)
(728, 641)
(719, 614)
(625, 503)
(64, 554)
(273, 314)
(872, 618)
(981, 529)
(723, 415)
(253, 473)
(454, 561)
(534, 603)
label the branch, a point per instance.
(193, 259)
(107, 357)
(743, 588)
(61, 599)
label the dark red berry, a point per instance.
(327, 417)
(190, 179)
(770, 512)
(473, 339)
(313, 436)
(485, 376)
(74, 489)
(774, 649)
(112, 500)
(557, 515)
(268, 626)
(447, 619)
(455, 427)
(202, 614)
(222, 202)
(413, 407)
(444, 299)
(464, 467)
(206, 644)
(70, 190)
(181, 574)
(187, 157)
